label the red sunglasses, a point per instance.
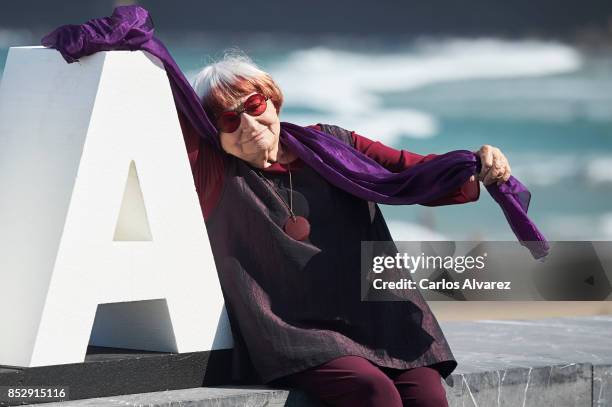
(255, 105)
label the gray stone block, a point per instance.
(565, 385)
(602, 386)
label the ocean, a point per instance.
(546, 104)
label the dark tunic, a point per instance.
(294, 305)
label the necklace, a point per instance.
(296, 227)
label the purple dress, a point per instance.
(294, 305)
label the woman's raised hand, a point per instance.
(495, 166)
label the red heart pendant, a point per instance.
(298, 228)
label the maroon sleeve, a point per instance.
(398, 160)
(206, 166)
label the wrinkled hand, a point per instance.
(495, 166)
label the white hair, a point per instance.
(224, 73)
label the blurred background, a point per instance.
(533, 78)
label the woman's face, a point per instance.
(256, 139)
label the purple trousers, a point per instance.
(354, 381)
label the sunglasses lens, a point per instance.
(255, 105)
(228, 122)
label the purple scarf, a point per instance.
(131, 28)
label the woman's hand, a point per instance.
(495, 166)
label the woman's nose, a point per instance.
(248, 123)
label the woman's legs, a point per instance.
(355, 381)
(347, 381)
(420, 387)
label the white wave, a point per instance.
(543, 169)
(349, 78)
(599, 170)
(384, 126)
(348, 85)
(405, 231)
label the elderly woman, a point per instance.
(287, 248)
(286, 209)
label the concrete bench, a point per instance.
(547, 362)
